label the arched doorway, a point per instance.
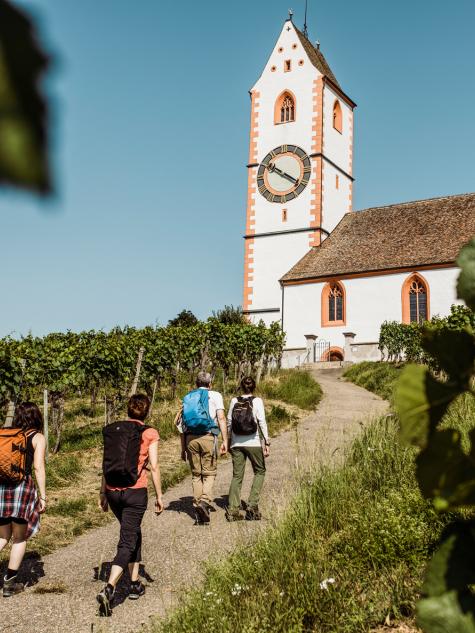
(333, 354)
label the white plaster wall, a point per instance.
(369, 302)
(336, 146)
(273, 257)
(335, 202)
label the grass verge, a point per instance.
(350, 551)
(378, 377)
(292, 387)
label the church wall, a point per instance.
(335, 201)
(274, 254)
(337, 146)
(369, 302)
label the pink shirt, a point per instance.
(149, 436)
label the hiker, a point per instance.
(248, 429)
(200, 421)
(130, 450)
(22, 449)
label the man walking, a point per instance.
(202, 419)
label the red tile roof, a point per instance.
(407, 235)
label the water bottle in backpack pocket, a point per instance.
(243, 421)
(196, 417)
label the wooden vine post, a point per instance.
(138, 367)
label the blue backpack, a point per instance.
(196, 417)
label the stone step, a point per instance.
(326, 365)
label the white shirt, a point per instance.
(215, 404)
(260, 417)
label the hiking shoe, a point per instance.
(202, 513)
(104, 598)
(137, 589)
(11, 587)
(233, 515)
(253, 514)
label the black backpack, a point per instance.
(121, 453)
(242, 420)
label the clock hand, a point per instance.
(273, 168)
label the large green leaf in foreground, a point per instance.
(466, 280)
(445, 473)
(448, 605)
(421, 401)
(23, 112)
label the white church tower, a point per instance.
(300, 166)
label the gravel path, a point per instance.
(175, 549)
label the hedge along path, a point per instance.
(175, 551)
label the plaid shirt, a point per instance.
(21, 502)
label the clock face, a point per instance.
(284, 173)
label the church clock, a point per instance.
(284, 173)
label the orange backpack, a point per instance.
(13, 447)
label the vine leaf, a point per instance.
(23, 128)
(445, 473)
(466, 280)
(454, 351)
(421, 401)
(448, 605)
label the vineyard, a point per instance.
(106, 367)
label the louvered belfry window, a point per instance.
(335, 303)
(417, 301)
(287, 109)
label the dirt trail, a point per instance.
(174, 549)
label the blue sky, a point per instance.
(151, 115)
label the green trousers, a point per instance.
(240, 454)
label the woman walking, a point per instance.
(247, 428)
(130, 453)
(20, 503)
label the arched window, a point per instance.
(337, 117)
(284, 111)
(333, 304)
(415, 300)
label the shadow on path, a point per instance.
(30, 572)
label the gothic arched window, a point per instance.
(333, 304)
(337, 117)
(415, 300)
(284, 111)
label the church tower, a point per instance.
(300, 166)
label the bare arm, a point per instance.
(223, 427)
(39, 445)
(156, 478)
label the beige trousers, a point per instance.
(203, 463)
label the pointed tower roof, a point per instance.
(316, 57)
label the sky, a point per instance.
(150, 132)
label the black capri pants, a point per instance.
(129, 507)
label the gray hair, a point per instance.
(203, 379)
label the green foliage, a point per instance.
(364, 525)
(466, 280)
(69, 507)
(185, 318)
(23, 110)
(401, 341)
(378, 377)
(294, 387)
(230, 315)
(446, 461)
